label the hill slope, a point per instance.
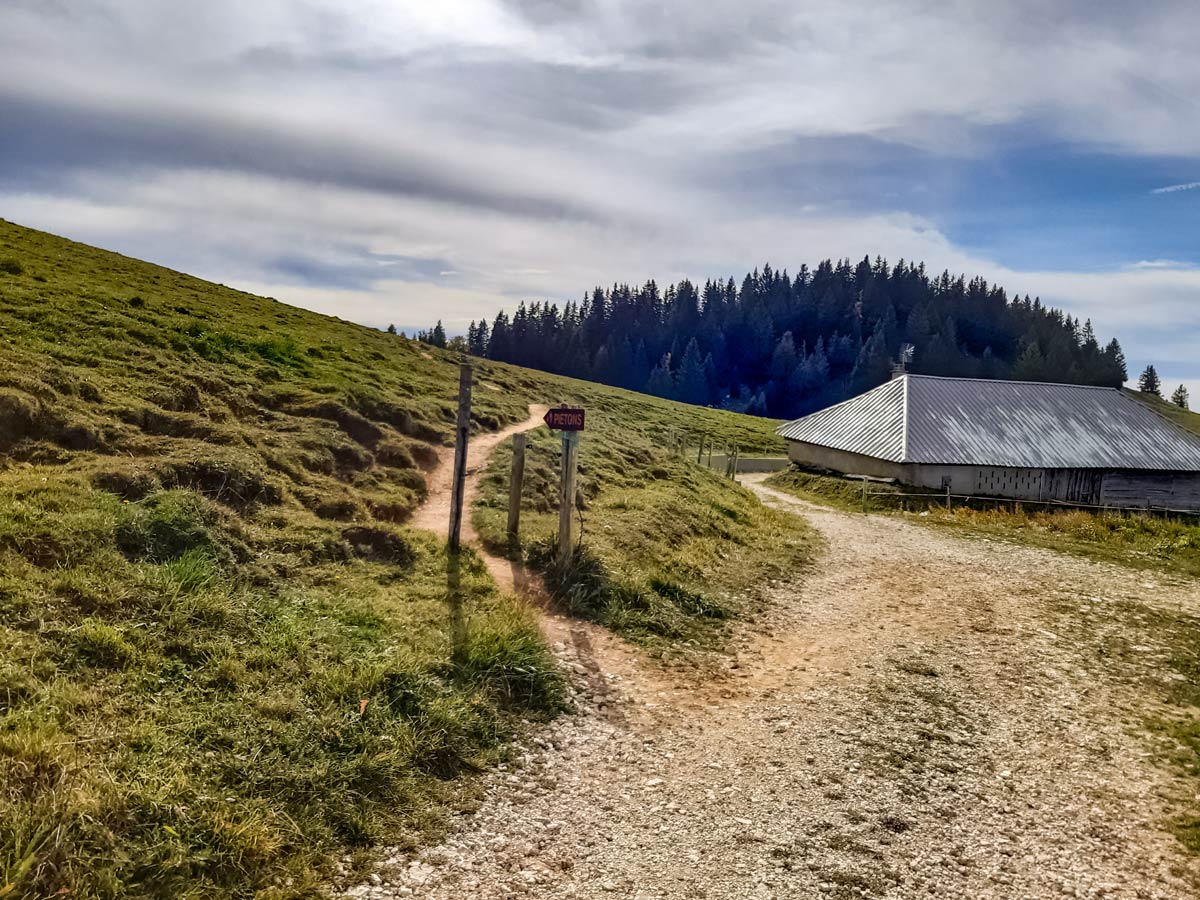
(224, 658)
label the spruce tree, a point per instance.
(1030, 365)
(391, 329)
(1149, 382)
(691, 385)
(438, 337)
(661, 382)
(1180, 397)
(1116, 374)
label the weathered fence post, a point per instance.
(461, 434)
(570, 460)
(700, 449)
(515, 482)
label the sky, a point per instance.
(403, 162)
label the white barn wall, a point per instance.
(1175, 490)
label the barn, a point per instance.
(1014, 439)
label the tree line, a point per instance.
(785, 345)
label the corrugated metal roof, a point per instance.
(968, 421)
(871, 424)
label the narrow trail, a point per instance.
(927, 715)
(593, 654)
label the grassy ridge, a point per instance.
(672, 550)
(205, 572)
(204, 577)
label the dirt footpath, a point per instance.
(924, 715)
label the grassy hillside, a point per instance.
(671, 550)
(224, 659)
(1182, 417)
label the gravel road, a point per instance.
(922, 715)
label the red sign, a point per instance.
(563, 418)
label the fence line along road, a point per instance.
(1055, 504)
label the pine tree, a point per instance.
(438, 337)
(1030, 365)
(1115, 374)
(1149, 382)
(391, 329)
(661, 382)
(691, 385)
(1180, 397)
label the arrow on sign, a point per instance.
(564, 418)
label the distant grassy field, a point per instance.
(1183, 417)
(224, 658)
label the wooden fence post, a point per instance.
(462, 433)
(515, 481)
(700, 449)
(570, 460)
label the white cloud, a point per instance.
(228, 227)
(439, 160)
(1174, 188)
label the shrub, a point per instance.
(11, 266)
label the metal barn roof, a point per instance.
(971, 421)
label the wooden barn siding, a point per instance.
(1173, 490)
(1176, 490)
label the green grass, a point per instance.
(181, 697)
(1182, 417)
(671, 550)
(1132, 539)
(205, 572)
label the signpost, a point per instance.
(570, 421)
(564, 418)
(515, 482)
(461, 434)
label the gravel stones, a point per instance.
(923, 717)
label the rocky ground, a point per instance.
(924, 715)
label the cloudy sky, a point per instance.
(408, 161)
